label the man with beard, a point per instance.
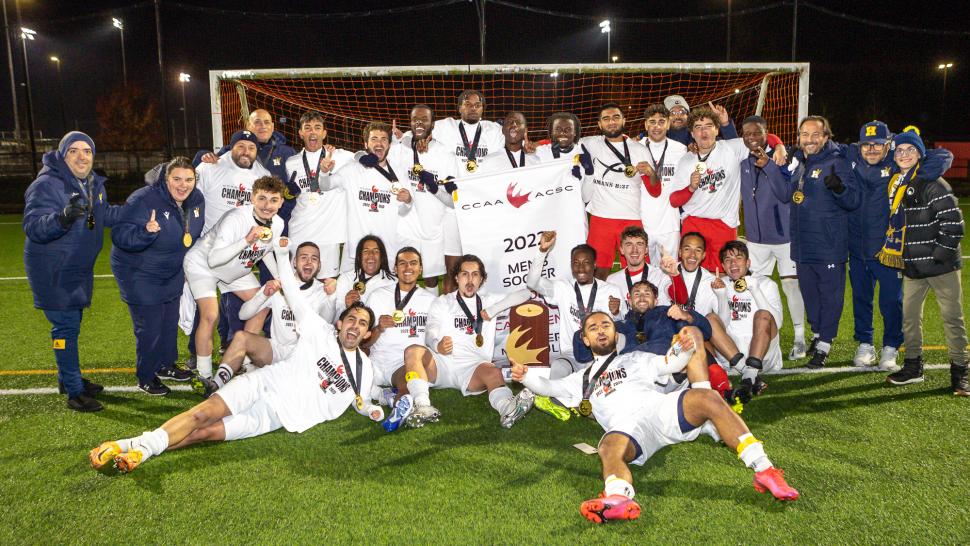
(317, 216)
(575, 300)
(371, 272)
(564, 130)
(661, 221)
(619, 392)
(518, 150)
(321, 377)
(261, 350)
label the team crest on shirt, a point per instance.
(195, 212)
(166, 213)
(712, 180)
(331, 377)
(816, 173)
(739, 308)
(885, 172)
(609, 380)
(374, 199)
(277, 160)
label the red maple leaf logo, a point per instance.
(516, 200)
(374, 189)
(410, 312)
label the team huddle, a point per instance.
(352, 250)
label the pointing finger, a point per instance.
(152, 219)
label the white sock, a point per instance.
(796, 307)
(617, 486)
(824, 347)
(419, 390)
(151, 443)
(223, 375)
(203, 364)
(125, 444)
(753, 455)
(749, 373)
(501, 399)
(701, 385)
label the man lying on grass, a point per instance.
(639, 420)
(314, 383)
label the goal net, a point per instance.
(349, 98)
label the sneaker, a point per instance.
(84, 403)
(104, 454)
(773, 480)
(958, 380)
(203, 386)
(545, 404)
(912, 372)
(812, 346)
(865, 355)
(614, 507)
(174, 373)
(421, 416)
(797, 351)
(90, 388)
(402, 409)
(155, 388)
(190, 363)
(818, 360)
(523, 403)
(128, 461)
(387, 396)
(887, 359)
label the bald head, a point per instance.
(261, 124)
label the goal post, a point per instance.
(351, 97)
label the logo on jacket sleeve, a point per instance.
(816, 173)
(885, 172)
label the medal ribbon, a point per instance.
(470, 149)
(629, 279)
(354, 381)
(388, 173)
(414, 150)
(625, 156)
(693, 290)
(398, 304)
(314, 180)
(583, 308)
(589, 385)
(521, 162)
(477, 318)
(658, 164)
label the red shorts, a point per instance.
(716, 232)
(604, 236)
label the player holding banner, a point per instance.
(316, 383)
(638, 421)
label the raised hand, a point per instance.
(547, 240)
(327, 162)
(695, 180)
(211, 158)
(530, 147)
(254, 233)
(385, 322)
(644, 167)
(614, 305)
(761, 158)
(271, 287)
(722, 114)
(717, 283)
(398, 134)
(329, 285)
(668, 264)
(152, 226)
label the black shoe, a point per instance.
(203, 386)
(911, 372)
(759, 386)
(90, 388)
(84, 403)
(174, 373)
(818, 359)
(958, 380)
(190, 363)
(155, 388)
(810, 352)
(744, 392)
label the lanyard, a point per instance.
(470, 149)
(353, 378)
(388, 173)
(521, 162)
(588, 383)
(398, 304)
(629, 279)
(477, 318)
(693, 291)
(625, 156)
(314, 178)
(585, 309)
(556, 151)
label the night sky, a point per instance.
(858, 72)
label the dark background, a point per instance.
(858, 71)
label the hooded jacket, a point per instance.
(766, 213)
(148, 266)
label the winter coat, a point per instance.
(934, 227)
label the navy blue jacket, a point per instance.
(682, 135)
(867, 226)
(658, 327)
(60, 262)
(148, 266)
(819, 226)
(766, 214)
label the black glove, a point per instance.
(72, 212)
(834, 183)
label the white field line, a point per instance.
(53, 390)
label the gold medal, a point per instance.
(416, 169)
(187, 240)
(396, 187)
(471, 166)
(359, 402)
(314, 197)
(479, 340)
(740, 285)
(641, 337)
(398, 316)
(360, 287)
(629, 171)
(266, 234)
(701, 167)
(798, 197)
(585, 408)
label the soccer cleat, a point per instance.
(614, 507)
(402, 409)
(128, 461)
(174, 373)
(545, 404)
(865, 355)
(759, 386)
(203, 386)
(818, 360)
(190, 363)
(523, 402)
(104, 454)
(387, 396)
(958, 380)
(773, 480)
(421, 416)
(912, 372)
(810, 352)
(887, 359)
(84, 403)
(155, 388)
(797, 351)
(745, 391)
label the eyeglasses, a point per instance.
(906, 151)
(872, 146)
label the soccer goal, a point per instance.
(352, 97)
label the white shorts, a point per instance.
(773, 357)
(432, 256)
(203, 283)
(383, 373)
(669, 241)
(452, 239)
(329, 257)
(763, 258)
(454, 374)
(281, 350)
(659, 422)
(250, 415)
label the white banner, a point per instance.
(502, 215)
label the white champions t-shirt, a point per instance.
(719, 194)
(225, 186)
(656, 213)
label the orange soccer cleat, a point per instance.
(126, 462)
(104, 454)
(613, 507)
(773, 480)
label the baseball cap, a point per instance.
(675, 100)
(243, 135)
(874, 131)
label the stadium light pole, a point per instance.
(183, 79)
(727, 56)
(13, 82)
(25, 35)
(945, 67)
(161, 74)
(605, 29)
(121, 30)
(60, 88)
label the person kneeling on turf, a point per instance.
(318, 380)
(639, 421)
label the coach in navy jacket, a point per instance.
(147, 262)
(824, 185)
(65, 212)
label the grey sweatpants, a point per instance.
(949, 295)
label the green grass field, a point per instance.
(874, 464)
